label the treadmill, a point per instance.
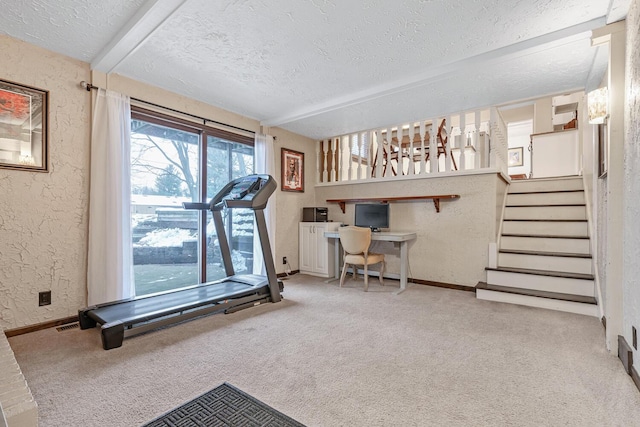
(133, 316)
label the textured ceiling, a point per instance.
(322, 68)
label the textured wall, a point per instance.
(289, 205)
(452, 245)
(43, 216)
(631, 244)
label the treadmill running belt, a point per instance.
(143, 309)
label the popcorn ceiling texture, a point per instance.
(43, 216)
(631, 246)
(94, 24)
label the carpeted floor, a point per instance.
(327, 356)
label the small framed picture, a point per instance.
(23, 127)
(292, 170)
(515, 156)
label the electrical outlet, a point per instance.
(284, 260)
(634, 337)
(44, 298)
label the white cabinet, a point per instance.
(315, 250)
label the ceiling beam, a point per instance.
(147, 20)
(527, 47)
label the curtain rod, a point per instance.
(89, 87)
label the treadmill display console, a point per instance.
(244, 187)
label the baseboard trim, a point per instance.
(635, 377)
(40, 326)
(67, 320)
(625, 354)
(280, 275)
(444, 285)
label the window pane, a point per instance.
(228, 160)
(164, 173)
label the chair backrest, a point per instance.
(355, 240)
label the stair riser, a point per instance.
(551, 304)
(563, 285)
(541, 244)
(546, 212)
(533, 199)
(538, 228)
(550, 263)
(529, 186)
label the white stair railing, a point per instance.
(475, 140)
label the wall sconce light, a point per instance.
(598, 105)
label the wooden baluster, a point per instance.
(370, 155)
(360, 154)
(379, 158)
(358, 142)
(486, 145)
(400, 156)
(412, 164)
(334, 157)
(351, 141)
(447, 147)
(422, 154)
(319, 166)
(476, 141)
(433, 145)
(344, 167)
(390, 167)
(463, 141)
(325, 156)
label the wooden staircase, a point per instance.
(544, 258)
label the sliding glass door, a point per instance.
(174, 247)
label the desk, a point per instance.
(402, 238)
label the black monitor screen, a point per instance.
(374, 216)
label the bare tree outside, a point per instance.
(164, 173)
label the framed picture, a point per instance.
(23, 127)
(515, 156)
(292, 170)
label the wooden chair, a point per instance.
(356, 241)
(442, 138)
(391, 154)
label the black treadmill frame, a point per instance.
(258, 288)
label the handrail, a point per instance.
(436, 200)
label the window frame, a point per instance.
(204, 132)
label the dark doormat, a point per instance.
(225, 405)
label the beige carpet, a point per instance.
(327, 356)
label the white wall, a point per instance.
(452, 245)
(631, 246)
(289, 204)
(43, 216)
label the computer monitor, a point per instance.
(372, 215)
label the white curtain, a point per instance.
(265, 164)
(110, 270)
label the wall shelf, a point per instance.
(436, 200)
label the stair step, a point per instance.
(546, 212)
(564, 274)
(539, 294)
(546, 198)
(542, 280)
(544, 236)
(556, 228)
(542, 253)
(546, 185)
(545, 244)
(570, 263)
(548, 300)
